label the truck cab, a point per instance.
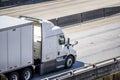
(51, 49)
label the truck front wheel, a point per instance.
(26, 74)
(13, 76)
(69, 62)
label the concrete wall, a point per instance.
(85, 16)
(92, 14)
(113, 76)
(68, 20)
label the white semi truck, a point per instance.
(28, 44)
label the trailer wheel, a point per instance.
(69, 62)
(26, 74)
(13, 76)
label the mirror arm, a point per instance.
(75, 43)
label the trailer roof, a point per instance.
(7, 22)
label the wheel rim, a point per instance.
(27, 75)
(69, 62)
(14, 77)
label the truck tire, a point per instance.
(69, 62)
(13, 76)
(26, 74)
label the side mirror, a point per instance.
(75, 43)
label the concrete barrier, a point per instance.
(92, 14)
(54, 21)
(85, 16)
(112, 10)
(67, 20)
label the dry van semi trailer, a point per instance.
(29, 44)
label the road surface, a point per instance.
(58, 8)
(98, 44)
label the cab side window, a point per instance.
(61, 39)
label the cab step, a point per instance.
(60, 59)
(60, 66)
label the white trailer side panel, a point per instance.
(26, 45)
(13, 48)
(3, 51)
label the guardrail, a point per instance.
(85, 16)
(89, 72)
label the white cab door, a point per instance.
(49, 49)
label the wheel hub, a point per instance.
(69, 63)
(14, 77)
(27, 75)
